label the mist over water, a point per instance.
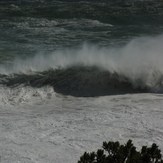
(137, 55)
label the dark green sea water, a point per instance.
(28, 26)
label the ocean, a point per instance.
(76, 73)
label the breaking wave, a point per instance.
(92, 70)
(76, 81)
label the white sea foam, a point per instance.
(24, 95)
(62, 128)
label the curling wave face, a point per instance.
(85, 81)
(76, 81)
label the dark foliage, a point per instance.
(113, 152)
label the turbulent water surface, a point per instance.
(76, 73)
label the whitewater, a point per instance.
(76, 73)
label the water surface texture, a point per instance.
(76, 73)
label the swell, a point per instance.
(78, 81)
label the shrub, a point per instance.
(113, 152)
